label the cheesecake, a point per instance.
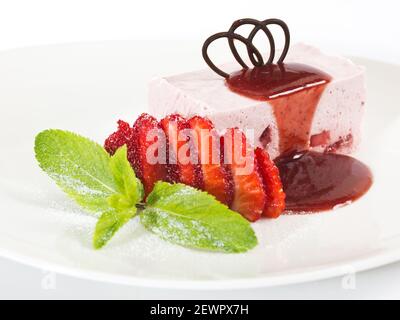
(314, 101)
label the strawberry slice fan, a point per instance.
(196, 155)
(181, 166)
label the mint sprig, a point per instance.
(108, 185)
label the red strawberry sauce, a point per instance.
(293, 90)
(316, 181)
(312, 181)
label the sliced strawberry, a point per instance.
(148, 141)
(119, 138)
(275, 197)
(180, 164)
(248, 197)
(216, 177)
(123, 136)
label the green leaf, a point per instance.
(130, 192)
(192, 218)
(108, 224)
(84, 170)
(79, 166)
(130, 189)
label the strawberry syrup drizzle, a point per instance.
(293, 90)
(312, 181)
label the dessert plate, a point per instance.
(86, 88)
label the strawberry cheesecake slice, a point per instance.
(300, 111)
(312, 101)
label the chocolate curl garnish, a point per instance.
(253, 53)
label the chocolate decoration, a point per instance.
(228, 35)
(254, 54)
(258, 25)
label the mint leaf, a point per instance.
(130, 193)
(109, 223)
(192, 218)
(130, 188)
(96, 181)
(79, 166)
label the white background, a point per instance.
(365, 28)
(357, 27)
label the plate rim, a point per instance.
(384, 256)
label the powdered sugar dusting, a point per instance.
(77, 185)
(184, 231)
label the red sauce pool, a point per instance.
(293, 90)
(316, 181)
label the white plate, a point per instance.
(86, 88)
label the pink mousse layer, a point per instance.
(336, 124)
